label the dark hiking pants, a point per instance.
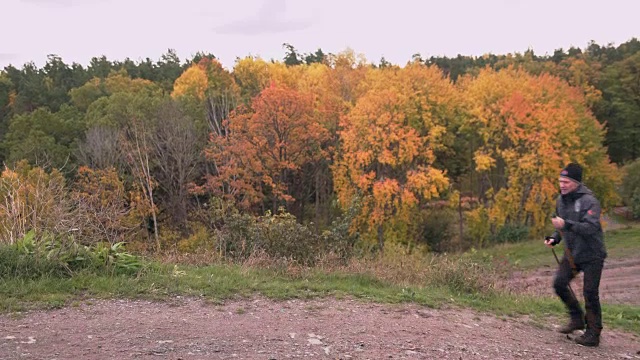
(592, 272)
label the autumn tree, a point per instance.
(110, 103)
(388, 146)
(269, 143)
(99, 149)
(211, 93)
(349, 70)
(193, 82)
(583, 74)
(316, 181)
(138, 151)
(222, 96)
(527, 128)
(131, 115)
(213, 87)
(252, 76)
(116, 82)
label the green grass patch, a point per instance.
(622, 243)
(213, 282)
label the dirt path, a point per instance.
(620, 283)
(265, 329)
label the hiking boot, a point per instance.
(589, 338)
(573, 325)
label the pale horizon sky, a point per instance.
(77, 30)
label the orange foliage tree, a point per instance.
(267, 145)
(316, 180)
(388, 144)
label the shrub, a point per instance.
(33, 199)
(462, 274)
(437, 228)
(200, 239)
(478, 226)
(48, 255)
(279, 236)
(512, 233)
(630, 189)
(102, 210)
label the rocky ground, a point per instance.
(266, 329)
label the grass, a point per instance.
(433, 282)
(217, 283)
(621, 243)
(214, 282)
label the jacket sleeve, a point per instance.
(557, 236)
(589, 223)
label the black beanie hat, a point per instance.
(572, 171)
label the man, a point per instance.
(578, 222)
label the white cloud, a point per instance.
(269, 19)
(61, 3)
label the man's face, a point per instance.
(567, 186)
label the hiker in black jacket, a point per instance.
(578, 223)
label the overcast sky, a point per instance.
(78, 30)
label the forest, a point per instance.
(314, 153)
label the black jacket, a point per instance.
(582, 230)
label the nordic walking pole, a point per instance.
(567, 253)
(558, 261)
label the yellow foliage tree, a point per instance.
(193, 82)
(528, 127)
(388, 144)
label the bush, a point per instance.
(478, 226)
(102, 212)
(14, 262)
(437, 228)
(635, 204)
(199, 240)
(33, 199)
(630, 189)
(282, 237)
(237, 238)
(512, 233)
(32, 257)
(340, 239)
(462, 275)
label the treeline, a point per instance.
(438, 153)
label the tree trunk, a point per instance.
(460, 217)
(317, 199)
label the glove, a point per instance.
(554, 241)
